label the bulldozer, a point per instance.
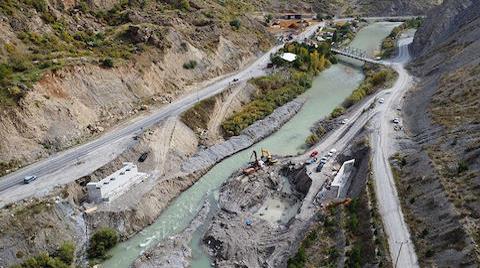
(267, 157)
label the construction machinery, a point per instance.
(254, 165)
(267, 157)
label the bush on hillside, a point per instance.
(102, 240)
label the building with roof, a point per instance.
(115, 185)
(290, 57)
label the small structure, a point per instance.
(341, 182)
(290, 57)
(293, 16)
(114, 185)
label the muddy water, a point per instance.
(329, 89)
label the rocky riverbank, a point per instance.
(173, 252)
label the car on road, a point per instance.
(396, 121)
(319, 167)
(310, 161)
(344, 121)
(381, 100)
(314, 154)
(324, 158)
(29, 179)
(235, 80)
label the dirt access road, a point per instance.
(383, 147)
(74, 163)
(402, 249)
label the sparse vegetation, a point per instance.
(62, 258)
(190, 65)
(389, 43)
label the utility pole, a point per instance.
(399, 250)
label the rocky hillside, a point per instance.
(441, 165)
(65, 66)
(374, 7)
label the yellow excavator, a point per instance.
(267, 157)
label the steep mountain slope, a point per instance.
(70, 69)
(440, 167)
(375, 7)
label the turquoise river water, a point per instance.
(329, 89)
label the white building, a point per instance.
(115, 185)
(290, 57)
(341, 182)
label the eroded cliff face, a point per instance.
(375, 7)
(69, 92)
(440, 166)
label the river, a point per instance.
(329, 89)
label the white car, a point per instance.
(396, 121)
(381, 100)
(333, 150)
(344, 121)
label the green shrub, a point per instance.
(235, 24)
(184, 4)
(66, 252)
(338, 111)
(108, 63)
(63, 258)
(102, 240)
(312, 139)
(462, 167)
(298, 261)
(190, 65)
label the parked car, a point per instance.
(319, 167)
(29, 179)
(311, 161)
(344, 121)
(396, 121)
(381, 100)
(143, 157)
(314, 153)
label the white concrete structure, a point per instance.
(115, 185)
(290, 57)
(341, 182)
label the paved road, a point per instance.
(74, 163)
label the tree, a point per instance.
(268, 18)
(337, 112)
(102, 240)
(235, 24)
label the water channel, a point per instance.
(329, 89)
